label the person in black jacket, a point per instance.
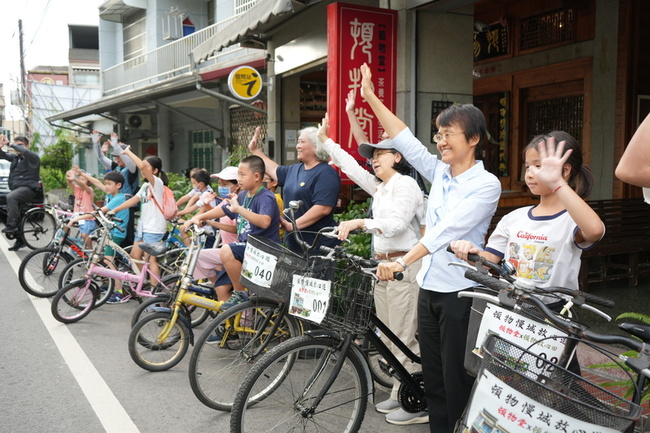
(24, 181)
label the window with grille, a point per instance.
(436, 108)
(547, 29)
(559, 114)
(243, 5)
(202, 145)
(243, 122)
(134, 33)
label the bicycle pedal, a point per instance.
(385, 367)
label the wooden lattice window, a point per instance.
(559, 114)
(547, 29)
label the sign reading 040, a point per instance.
(245, 82)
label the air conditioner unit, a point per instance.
(139, 121)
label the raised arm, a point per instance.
(97, 147)
(138, 163)
(117, 149)
(270, 165)
(77, 180)
(88, 178)
(391, 123)
(634, 166)
(358, 132)
(552, 162)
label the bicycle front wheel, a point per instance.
(231, 344)
(40, 270)
(37, 228)
(77, 269)
(279, 392)
(155, 344)
(73, 302)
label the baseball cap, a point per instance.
(228, 173)
(366, 149)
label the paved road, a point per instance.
(80, 377)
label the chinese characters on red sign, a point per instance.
(358, 35)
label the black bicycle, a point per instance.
(322, 380)
(37, 224)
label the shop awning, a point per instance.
(180, 84)
(263, 16)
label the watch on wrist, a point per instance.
(401, 262)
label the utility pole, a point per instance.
(23, 84)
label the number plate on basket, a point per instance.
(309, 298)
(522, 331)
(258, 266)
(495, 406)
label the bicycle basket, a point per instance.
(534, 318)
(268, 268)
(517, 390)
(351, 296)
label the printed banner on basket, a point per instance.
(538, 338)
(258, 266)
(496, 407)
(309, 298)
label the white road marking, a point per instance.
(110, 412)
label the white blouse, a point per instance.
(397, 206)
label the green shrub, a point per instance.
(179, 183)
(57, 160)
(359, 244)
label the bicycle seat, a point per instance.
(640, 330)
(156, 249)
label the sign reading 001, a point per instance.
(245, 82)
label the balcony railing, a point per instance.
(169, 61)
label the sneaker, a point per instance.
(387, 406)
(401, 417)
(118, 298)
(235, 299)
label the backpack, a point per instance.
(169, 208)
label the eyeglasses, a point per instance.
(439, 137)
(380, 153)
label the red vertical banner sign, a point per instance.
(357, 35)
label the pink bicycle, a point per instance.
(77, 298)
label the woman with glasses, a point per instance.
(462, 200)
(397, 210)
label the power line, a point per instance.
(44, 14)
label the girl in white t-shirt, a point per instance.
(152, 224)
(544, 242)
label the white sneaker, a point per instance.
(401, 417)
(387, 406)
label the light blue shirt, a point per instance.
(459, 207)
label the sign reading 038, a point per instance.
(245, 82)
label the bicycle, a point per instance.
(533, 379)
(40, 270)
(159, 340)
(77, 299)
(322, 380)
(217, 368)
(76, 269)
(37, 224)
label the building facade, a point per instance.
(530, 66)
